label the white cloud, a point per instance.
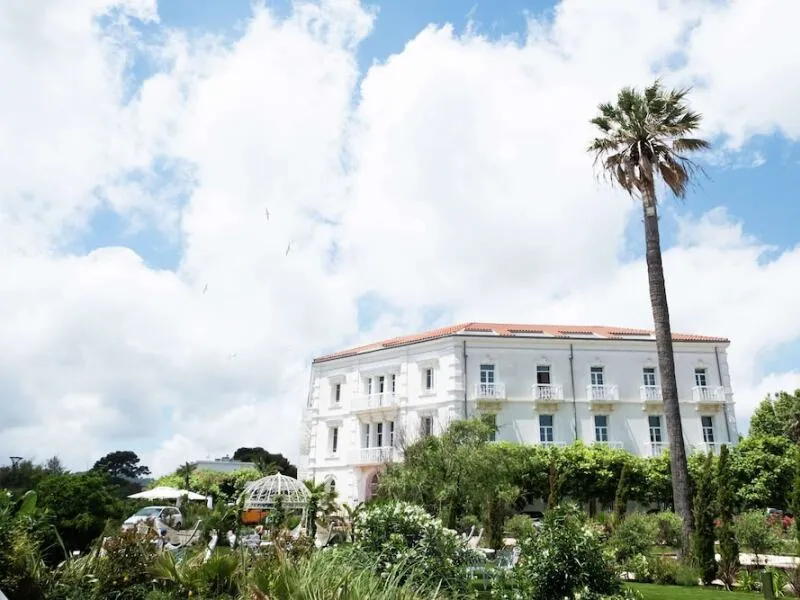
(454, 177)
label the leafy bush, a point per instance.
(668, 526)
(754, 533)
(687, 576)
(520, 526)
(635, 535)
(664, 570)
(562, 559)
(640, 567)
(398, 533)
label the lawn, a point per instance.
(651, 591)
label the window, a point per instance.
(381, 384)
(391, 434)
(427, 379)
(700, 377)
(487, 380)
(337, 393)
(596, 376)
(601, 428)
(330, 483)
(708, 429)
(491, 421)
(427, 426)
(369, 386)
(365, 435)
(649, 376)
(654, 421)
(334, 440)
(379, 435)
(543, 374)
(545, 428)
(393, 383)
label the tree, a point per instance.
(185, 472)
(778, 415)
(704, 513)
(260, 457)
(726, 499)
(552, 480)
(621, 499)
(763, 469)
(54, 466)
(643, 137)
(122, 464)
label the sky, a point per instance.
(200, 196)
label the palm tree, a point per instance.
(646, 136)
(185, 471)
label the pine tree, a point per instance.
(621, 499)
(795, 497)
(728, 547)
(704, 514)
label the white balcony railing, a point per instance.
(553, 444)
(490, 390)
(602, 393)
(657, 448)
(373, 401)
(706, 447)
(548, 391)
(374, 456)
(610, 444)
(702, 393)
(650, 393)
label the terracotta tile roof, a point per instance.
(518, 330)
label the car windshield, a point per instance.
(150, 511)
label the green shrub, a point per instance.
(687, 575)
(668, 526)
(664, 570)
(520, 526)
(562, 559)
(635, 535)
(754, 533)
(704, 512)
(398, 533)
(640, 567)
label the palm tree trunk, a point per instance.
(666, 366)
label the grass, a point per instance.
(652, 591)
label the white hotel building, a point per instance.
(544, 384)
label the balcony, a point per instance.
(706, 447)
(602, 397)
(375, 402)
(656, 449)
(547, 392)
(552, 444)
(650, 393)
(610, 444)
(702, 394)
(489, 391)
(374, 456)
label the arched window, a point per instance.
(372, 488)
(330, 483)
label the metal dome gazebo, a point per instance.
(261, 495)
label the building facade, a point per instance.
(541, 384)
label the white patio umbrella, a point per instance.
(166, 493)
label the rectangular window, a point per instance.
(596, 376)
(708, 429)
(700, 377)
(649, 376)
(601, 428)
(491, 421)
(334, 436)
(654, 421)
(427, 381)
(391, 434)
(379, 435)
(487, 380)
(427, 426)
(369, 386)
(543, 374)
(365, 435)
(381, 384)
(546, 428)
(393, 383)
(337, 393)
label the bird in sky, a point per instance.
(266, 213)
(205, 288)
(288, 247)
